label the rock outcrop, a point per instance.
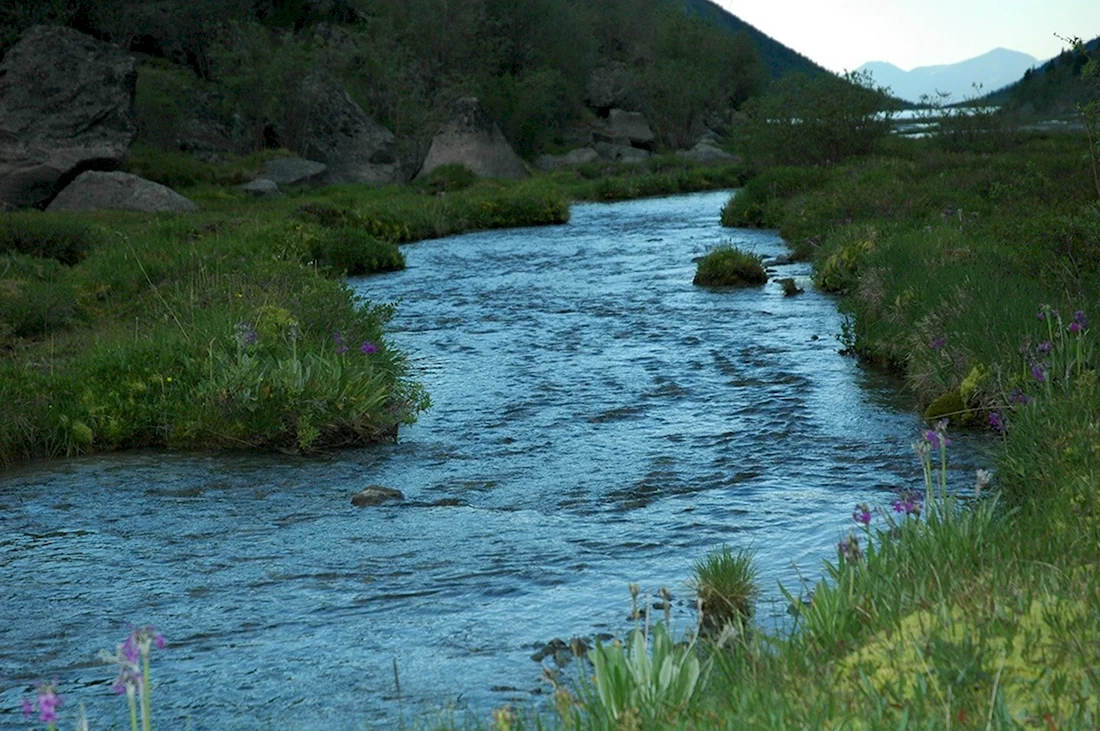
(471, 138)
(94, 190)
(611, 86)
(339, 134)
(66, 105)
(261, 188)
(294, 171)
(376, 495)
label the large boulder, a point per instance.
(94, 190)
(708, 153)
(66, 105)
(631, 126)
(471, 138)
(339, 133)
(294, 171)
(611, 85)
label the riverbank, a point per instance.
(231, 327)
(974, 276)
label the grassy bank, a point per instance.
(232, 327)
(970, 606)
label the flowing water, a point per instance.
(597, 419)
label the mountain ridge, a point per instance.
(993, 69)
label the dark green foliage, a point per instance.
(726, 265)
(351, 252)
(760, 203)
(47, 235)
(448, 179)
(35, 297)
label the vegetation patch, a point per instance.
(728, 266)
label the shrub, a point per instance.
(817, 120)
(725, 583)
(448, 179)
(728, 266)
(46, 235)
(353, 252)
(760, 203)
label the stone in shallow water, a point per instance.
(376, 495)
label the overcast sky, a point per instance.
(843, 34)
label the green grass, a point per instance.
(728, 266)
(726, 584)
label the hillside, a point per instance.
(777, 58)
(1054, 87)
(542, 68)
(991, 70)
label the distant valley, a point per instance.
(993, 70)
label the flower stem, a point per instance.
(146, 722)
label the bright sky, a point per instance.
(843, 34)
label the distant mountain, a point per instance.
(992, 70)
(778, 59)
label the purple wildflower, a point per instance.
(937, 438)
(849, 549)
(1018, 397)
(1044, 347)
(130, 649)
(1075, 327)
(1041, 315)
(862, 514)
(244, 335)
(1080, 319)
(1039, 372)
(368, 348)
(996, 421)
(907, 503)
(47, 701)
(337, 338)
(937, 343)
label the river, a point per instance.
(597, 420)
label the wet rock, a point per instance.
(376, 495)
(448, 502)
(93, 191)
(66, 105)
(790, 289)
(471, 138)
(619, 152)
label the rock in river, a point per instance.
(376, 495)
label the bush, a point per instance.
(46, 235)
(728, 266)
(760, 203)
(817, 120)
(448, 179)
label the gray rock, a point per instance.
(341, 135)
(66, 105)
(708, 154)
(291, 171)
(376, 495)
(620, 153)
(631, 126)
(94, 190)
(573, 157)
(471, 138)
(261, 188)
(611, 85)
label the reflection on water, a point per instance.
(597, 419)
